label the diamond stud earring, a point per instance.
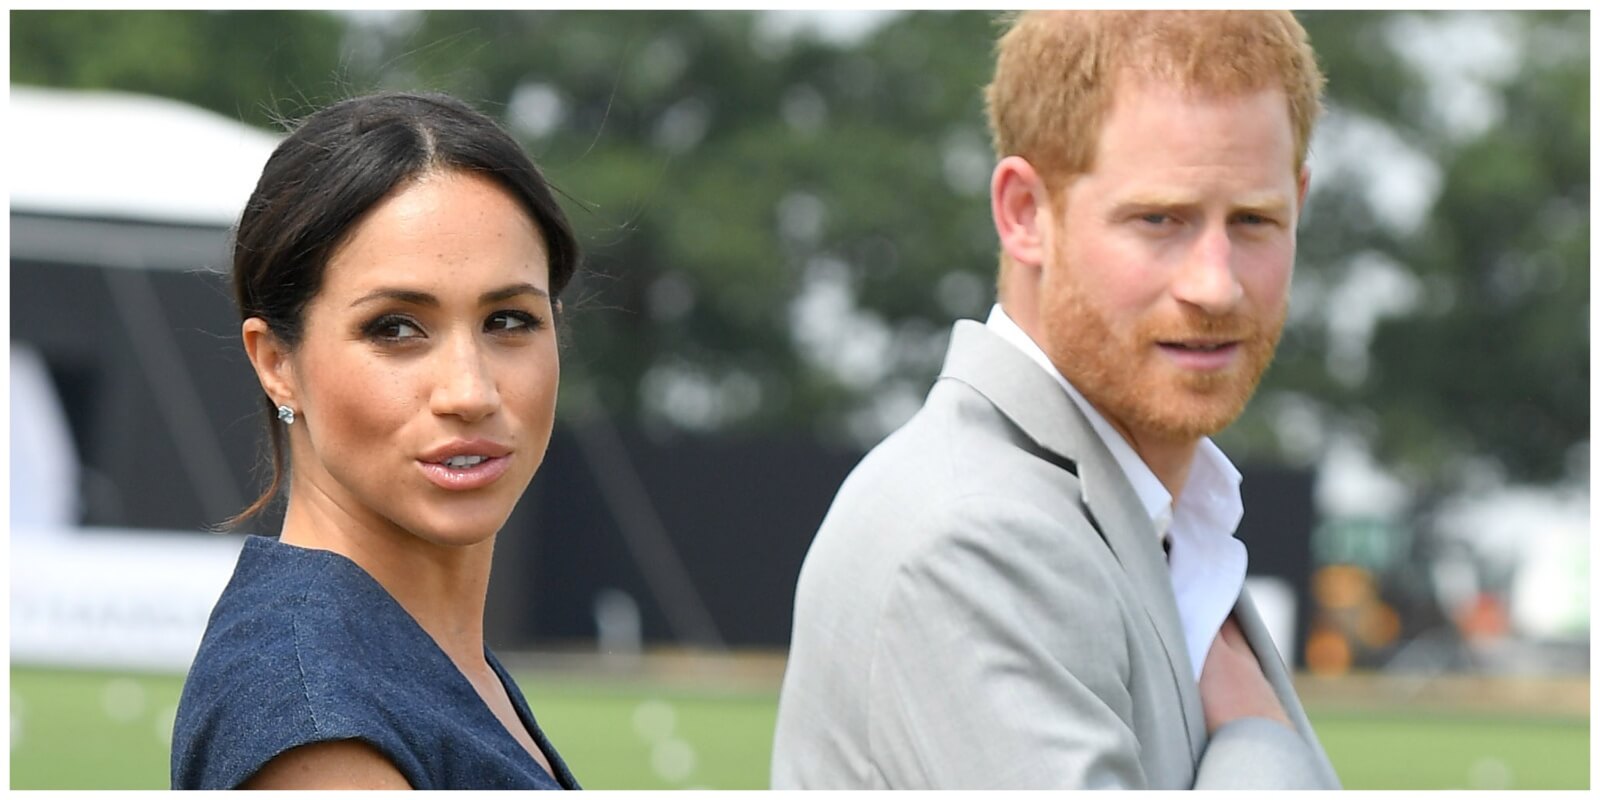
(286, 414)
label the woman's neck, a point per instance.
(443, 587)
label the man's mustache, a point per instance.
(1234, 326)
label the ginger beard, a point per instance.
(1124, 374)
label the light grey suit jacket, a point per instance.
(986, 605)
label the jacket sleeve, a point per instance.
(1254, 753)
(1000, 658)
(1260, 753)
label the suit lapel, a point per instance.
(1037, 405)
(1277, 674)
(1132, 537)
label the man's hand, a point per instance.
(1231, 683)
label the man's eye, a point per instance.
(1155, 218)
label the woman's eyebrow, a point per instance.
(508, 292)
(402, 295)
(415, 297)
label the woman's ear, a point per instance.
(270, 358)
(1020, 204)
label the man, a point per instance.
(1034, 583)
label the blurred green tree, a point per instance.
(1495, 361)
(1470, 345)
(245, 64)
(770, 218)
(780, 226)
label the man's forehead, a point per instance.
(1156, 196)
(1131, 81)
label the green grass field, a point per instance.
(93, 730)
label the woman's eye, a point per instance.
(393, 329)
(511, 321)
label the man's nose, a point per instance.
(1206, 278)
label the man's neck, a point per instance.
(1169, 459)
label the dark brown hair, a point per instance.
(336, 165)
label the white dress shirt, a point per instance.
(1205, 561)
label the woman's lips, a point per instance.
(464, 479)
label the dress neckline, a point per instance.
(558, 769)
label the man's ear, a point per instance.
(270, 358)
(1019, 202)
(1305, 188)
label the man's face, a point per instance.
(1166, 284)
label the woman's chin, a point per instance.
(460, 532)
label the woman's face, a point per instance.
(426, 375)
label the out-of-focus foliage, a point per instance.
(1484, 350)
(1496, 360)
(772, 221)
(780, 228)
(239, 63)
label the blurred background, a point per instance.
(782, 214)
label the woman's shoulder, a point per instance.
(315, 618)
(299, 649)
(297, 589)
(281, 599)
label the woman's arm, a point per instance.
(344, 764)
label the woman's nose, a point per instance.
(465, 385)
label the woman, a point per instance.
(397, 270)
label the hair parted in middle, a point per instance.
(322, 180)
(1056, 73)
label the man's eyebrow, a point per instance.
(414, 297)
(1264, 201)
(1158, 200)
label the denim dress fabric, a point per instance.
(304, 646)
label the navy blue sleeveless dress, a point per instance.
(304, 646)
